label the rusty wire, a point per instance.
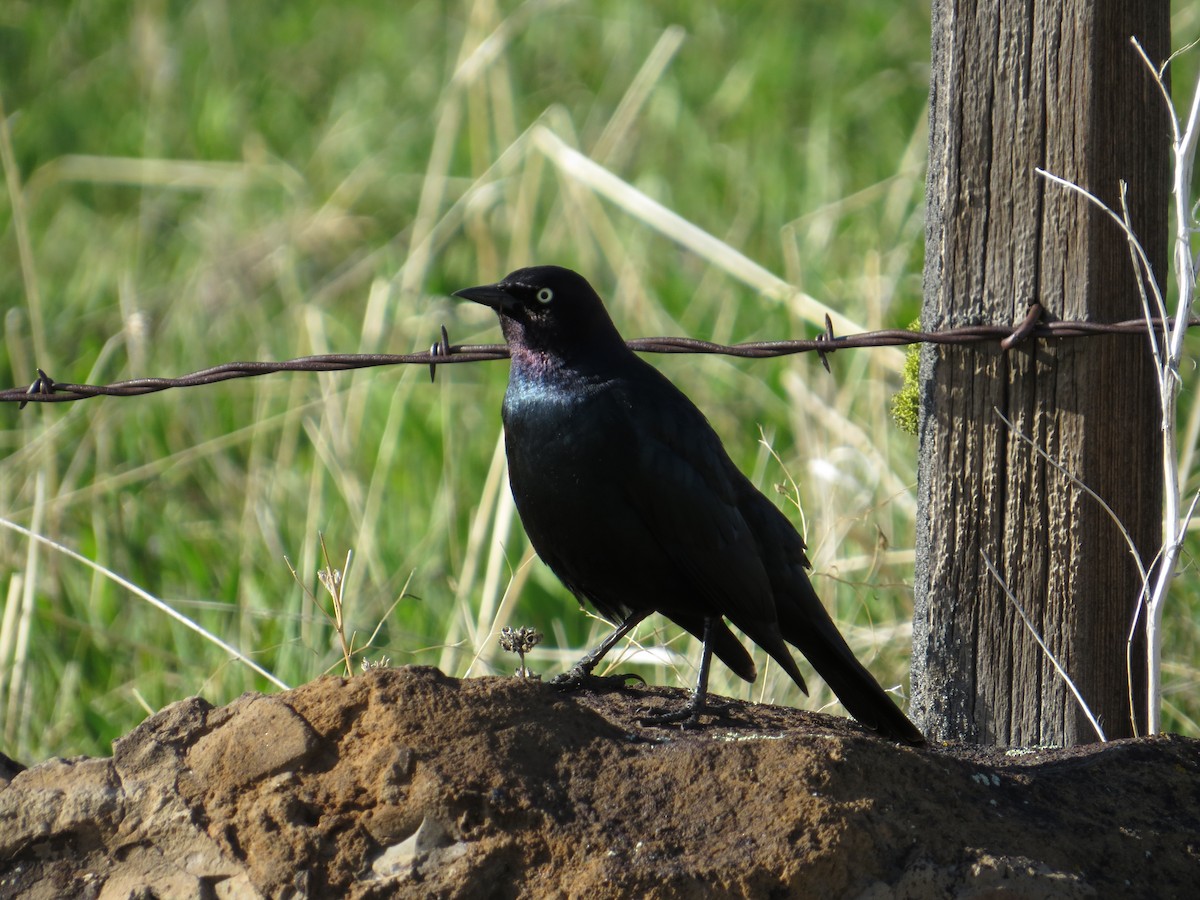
(46, 390)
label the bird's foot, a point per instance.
(687, 717)
(576, 679)
(684, 718)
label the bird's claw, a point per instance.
(684, 718)
(688, 717)
(574, 680)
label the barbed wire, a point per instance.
(46, 390)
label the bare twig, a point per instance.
(1049, 654)
(1166, 340)
(1174, 530)
(332, 580)
(1143, 569)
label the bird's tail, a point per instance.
(807, 626)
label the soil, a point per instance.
(408, 783)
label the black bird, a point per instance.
(629, 497)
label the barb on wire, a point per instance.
(827, 338)
(1025, 329)
(42, 385)
(441, 348)
(46, 390)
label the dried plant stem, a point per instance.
(1167, 347)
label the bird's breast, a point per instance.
(551, 429)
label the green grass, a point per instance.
(213, 181)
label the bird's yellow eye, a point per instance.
(545, 295)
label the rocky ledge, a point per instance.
(406, 782)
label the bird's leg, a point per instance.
(581, 672)
(689, 716)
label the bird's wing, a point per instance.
(692, 506)
(686, 496)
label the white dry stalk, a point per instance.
(158, 604)
(714, 251)
(1174, 529)
(1143, 571)
(1168, 356)
(14, 639)
(1087, 710)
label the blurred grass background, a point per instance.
(205, 182)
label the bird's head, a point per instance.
(549, 310)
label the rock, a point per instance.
(405, 782)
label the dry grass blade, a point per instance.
(149, 598)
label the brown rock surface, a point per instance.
(407, 783)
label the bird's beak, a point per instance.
(492, 295)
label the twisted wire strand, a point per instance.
(46, 390)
